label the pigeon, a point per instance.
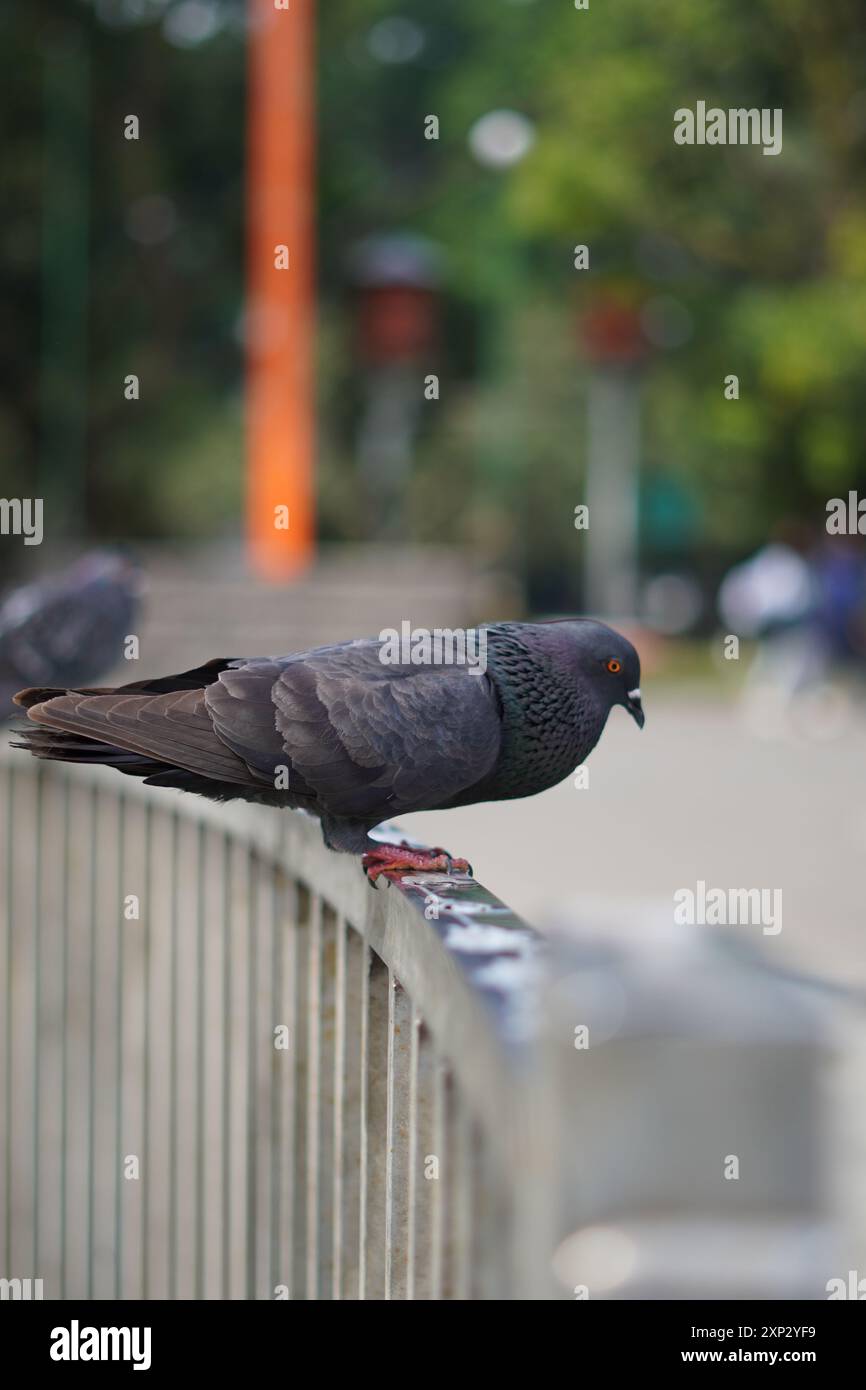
(69, 627)
(355, 736)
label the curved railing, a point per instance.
(229, 1068)
(235, 1069)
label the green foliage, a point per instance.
(763, 259)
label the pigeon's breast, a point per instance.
(545, 746)
(549, 725)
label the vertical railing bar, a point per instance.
(412, 1175)
(350, 1060)
(172, 1246)
(91, 1081)
(227, 887)
(277, 1080)
(286, 909)
(313, 1090)
(365, 1064)
(389, 1136)
(289, 1085)
(397, 1127)
(329, 927)
(199, 1059)
(252, 1071)
(379, 1072)
(145, 1086)
(424, 1182)
(300, 1118)
(440, 1150)
(10, 917)
(291, 1139)
(118, 1076)
(37, 1008)
(66, 862)
(339, 1101)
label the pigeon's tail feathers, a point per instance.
(52, 745)
(39, 694)
(170, 732)
(55, 746)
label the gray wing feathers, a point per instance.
(380, 739)
(240, 706)
(174, 727)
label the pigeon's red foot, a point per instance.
(398, 859)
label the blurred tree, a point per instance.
(739, 263)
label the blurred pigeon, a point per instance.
(67, 628)
(342, 733)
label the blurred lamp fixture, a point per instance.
(612, 333)
(398, 282)
(192, 22)
(501, 138)
(396, 39)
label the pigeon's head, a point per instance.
(608, 661)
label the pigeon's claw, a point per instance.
(398, 859)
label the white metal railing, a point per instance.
(229, 1068)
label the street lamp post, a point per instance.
(397, 310)
(614, 344)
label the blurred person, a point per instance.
(839, 566)
(798, 601)
(804, 602)
(773, 598)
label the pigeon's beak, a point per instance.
(635, 708)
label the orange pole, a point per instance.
(280, 287)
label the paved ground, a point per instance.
(696, 795)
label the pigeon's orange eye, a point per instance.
(613, 666)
